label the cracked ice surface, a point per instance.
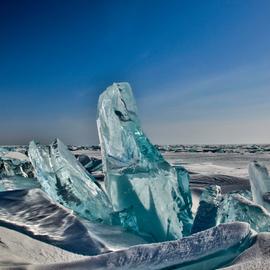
(138, 179)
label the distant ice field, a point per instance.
(208, 163)
(233, 164)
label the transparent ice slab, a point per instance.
(138, 179)
(65, 180)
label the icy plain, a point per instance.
(62, 207)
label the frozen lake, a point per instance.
(207, 163)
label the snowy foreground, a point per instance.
(133, 205)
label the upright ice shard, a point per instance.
(138, 179)
(215, 209)
(40, 158)
(260, 184)
(16, 173)
(78, 188)
(65, 180)
(206, 216)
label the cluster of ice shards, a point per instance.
(15, 167)
(143, 192)
(231, 207)
(235, 207)
(65, 180)
(138, 179)
(215, 209)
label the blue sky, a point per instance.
(200, 70)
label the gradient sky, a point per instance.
(200, 70)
